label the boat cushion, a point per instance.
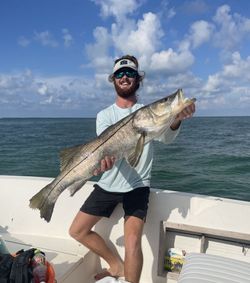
(205, 268)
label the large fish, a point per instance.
(124, 139)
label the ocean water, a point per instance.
(210, 156)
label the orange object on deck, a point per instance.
(50, 273)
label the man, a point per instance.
(131, 188)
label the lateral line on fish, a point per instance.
(88, 155)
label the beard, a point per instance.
(126, 93)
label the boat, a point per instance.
(197, 224)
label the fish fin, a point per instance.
(67, 154)
(134, 158)
(76, 186)
(40, 201)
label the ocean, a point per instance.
(210, 156)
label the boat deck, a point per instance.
(58, 252)
(23, 228)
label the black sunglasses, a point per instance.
(129, 74)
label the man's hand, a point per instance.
(184, 114)
(106, 164)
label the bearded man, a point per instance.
(121, 183)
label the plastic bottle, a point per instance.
(39, 267)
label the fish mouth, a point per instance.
(170, 98)
(174, 99)
(178, 98)
(177, 101)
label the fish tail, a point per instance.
(43, 203)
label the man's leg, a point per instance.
(133, 228)
(81, 231)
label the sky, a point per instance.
(56, 55)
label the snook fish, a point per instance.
(124, 139)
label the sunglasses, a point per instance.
(129, 74)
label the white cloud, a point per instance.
(167, 67)
(118, 9)
(124, 38)
(225, 31)
(171, 13)
(239, 69)
(67, 37)
(237, 72)
(45, 38)
(23, 41)
(142, 40)
(155, 88)
(102, 44)
(43, 89)
(12, 84)
(213, 84)
(200, 32)
(171, 62)
(228, 90)
(98, 51)
(73, 94)
(231, 28)
(144, 37)
(48, 100)
(166, 12)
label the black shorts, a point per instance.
(103, 203)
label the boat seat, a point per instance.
(68, 256)
(206, 268)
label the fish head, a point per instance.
(170, 105)
(160, 114)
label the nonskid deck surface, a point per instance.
(57, 252)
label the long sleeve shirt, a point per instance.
(122, 177)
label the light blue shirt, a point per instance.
(122, 177)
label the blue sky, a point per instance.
(56, 55)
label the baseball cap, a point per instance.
(125, 63)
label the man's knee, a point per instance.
(72, 232)
(76, 233)
(133, 242)
(82, 225)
